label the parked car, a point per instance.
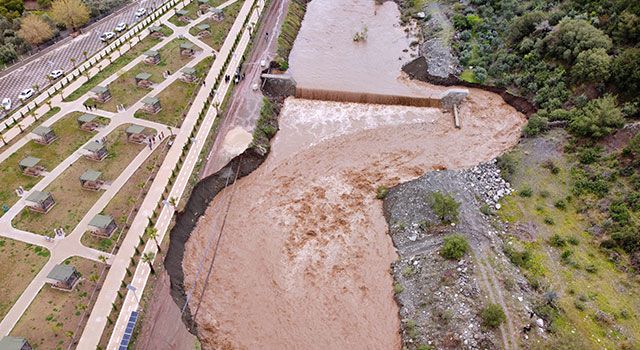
(56, 74)
(25, 94)
(141, 12)
(106, 36)
(6, 103)
(121, 27)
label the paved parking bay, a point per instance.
(34, 70)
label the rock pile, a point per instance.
(488, 183)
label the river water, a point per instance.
(305, 256)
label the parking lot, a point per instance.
(34, 71)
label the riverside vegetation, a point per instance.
(573, 227)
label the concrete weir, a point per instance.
(367, 97)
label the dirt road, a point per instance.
(245, 103)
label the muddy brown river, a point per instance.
(304, 258)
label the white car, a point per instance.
(25, 94)
(107, 36)
(6, 103)
(120, 27)
(56, 74)
(141, 12)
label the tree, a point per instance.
(8, 53)
(152, 233)
(628, 28)
(11, 8)
(572, 36)
(72, 13)
(148, 258)
(445, 207)
(103, 259)
(598, 118)
(625, 72)
(492, 316)
(94, 277)
(455, 247)
(592, 65)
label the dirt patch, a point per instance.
(304, 257)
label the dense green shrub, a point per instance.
(536, 125)
(593, 65)
(492, 316)
(557, 241)
(444, 206)
(625, 72)
(573, 36)
(507, 163)
(598, 118)
(520, 258)
(455, 247)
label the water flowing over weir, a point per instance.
(366, 97)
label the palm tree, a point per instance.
(73, 62)
(94, 277)
(85, 53)
(152, 233)
(102, 259)
(148, 258)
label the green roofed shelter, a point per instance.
(14, 343)
(153, 29)
(29, 162)
(204, 1)
(187, 46)
(103, 225)
(182, 12)
(150, 100)
(101, 221)
(203, 26)
(135, 134)
(40, 201)
(143, 76)
(102, 93)
(64, 276)
(95, 150)
(94, 146)
(42, 130)
(29, 166)
(151, 53)
(135, 129)
(189, 70)
(90, 175)
(99, 89)
(87, 118)
(90, 180)
(151, 104)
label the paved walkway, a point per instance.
(90, 337)
(63, 248)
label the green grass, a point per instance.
(219, 30)
(53, 111)
(70, 138)
(586, 272)
(176, 98)
(124, 89)
(290, 28)
(468, 76)
(116, 65)
(72, 202)
(19, 263)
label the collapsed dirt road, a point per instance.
(304, 258)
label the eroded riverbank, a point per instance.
(305, 256)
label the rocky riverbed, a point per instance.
(440, 300)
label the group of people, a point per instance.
(152, 139)
(90, 107)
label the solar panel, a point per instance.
(131, 324)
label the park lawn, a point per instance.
(126, 203)
(19, 263)
(54, 315)
(70, 138)
(219, 30)
(193, 14)
(73, 202)
(124, 89)
(176, 98)
(53, 111)
(118, 64)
